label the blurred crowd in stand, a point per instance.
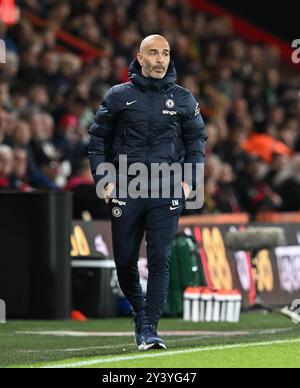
(49, 95)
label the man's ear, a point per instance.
(139, 57)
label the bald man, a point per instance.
(154, 57)
(150, 120)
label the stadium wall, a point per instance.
(279, 269)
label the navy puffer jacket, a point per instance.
(150, 121)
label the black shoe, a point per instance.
(149, 338)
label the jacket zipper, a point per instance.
(149, 137)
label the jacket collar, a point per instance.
(136, 77)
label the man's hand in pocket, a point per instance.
(187, 190)
(108, 192)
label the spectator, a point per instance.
(6, 166)
(21, 134)
(228, 200)
(39, 96)
(255, 194)
(85, 198)
(19, 176)
(289, 189)
(244, 91)
(4, 94)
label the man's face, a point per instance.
(20, 163)
(155, 58)
(6, 163)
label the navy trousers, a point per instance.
(131, 219)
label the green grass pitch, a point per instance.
(259, 340)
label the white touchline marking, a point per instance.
(129, 333)
(170, 353)
(122, 346)
(164, 333)
(87, 348)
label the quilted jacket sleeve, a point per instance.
(194, 139)
(102, 134)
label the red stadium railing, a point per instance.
(220, 219)
(246, 30)
(85, 49)
(278, 218)
(242, 28)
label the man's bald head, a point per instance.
(6, 160)
(151, 40)
(154, 56)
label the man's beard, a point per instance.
(157, 75)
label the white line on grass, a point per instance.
(79, 364)
(170, 333)
(123, 346)
(90, 348)
(87, 348)
(129, 333)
